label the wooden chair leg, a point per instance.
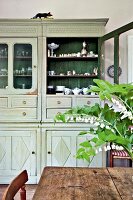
(23, 193)
(111, 159)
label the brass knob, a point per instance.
(88, 102)
(58, 102)
(49, 152)
(24, 102)
(33, 152)
(24, 113)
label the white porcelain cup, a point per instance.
(67, 91)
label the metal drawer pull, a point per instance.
(24, 102)
(88, 102)
(58, 102)
(24, 113)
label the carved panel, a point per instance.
(74, 30)
(19, 145)
(61, 152)
(18, 31)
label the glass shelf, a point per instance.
(23, 57)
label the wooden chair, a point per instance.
(17, 183)
(119, 159)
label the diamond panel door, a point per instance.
(61, 148)
(16, 154)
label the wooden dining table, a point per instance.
(79, 183)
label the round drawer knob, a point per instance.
(33, 152)
(24, 113)
(24, 102)
(58, 102)
(88, 102)
(49, 152)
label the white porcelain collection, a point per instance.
(68, 91)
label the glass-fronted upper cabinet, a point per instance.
(18, 65)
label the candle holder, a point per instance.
(52, 47)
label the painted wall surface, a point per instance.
(119, 12)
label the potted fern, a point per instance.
(112, 120)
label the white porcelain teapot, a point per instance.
(76, 91)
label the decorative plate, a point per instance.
(110, 71)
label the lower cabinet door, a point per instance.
(62, 146)
(17, 152)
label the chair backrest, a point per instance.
(17, 183)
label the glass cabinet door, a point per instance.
(3, 65)
(18, 65)
(22, 66)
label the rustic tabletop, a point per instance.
(69, 183)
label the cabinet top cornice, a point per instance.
(6, 21)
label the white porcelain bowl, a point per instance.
(60, 88)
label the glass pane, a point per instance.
(3, 65)
(22, 69)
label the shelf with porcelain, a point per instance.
(73, 76)
(73, 58)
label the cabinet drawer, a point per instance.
(18, 114)
(87, 101)
(3, 102)
(24, 102)
(57, 102)
(52, 112)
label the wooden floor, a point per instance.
(30, 189)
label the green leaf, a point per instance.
(83, 133)
(103, 85)
(94, 140)
(85, 156)
(111, 138)
(91, 152)
(99, 143)
(102, 136)
(86, 144)
(60, 117)
(80, 150)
